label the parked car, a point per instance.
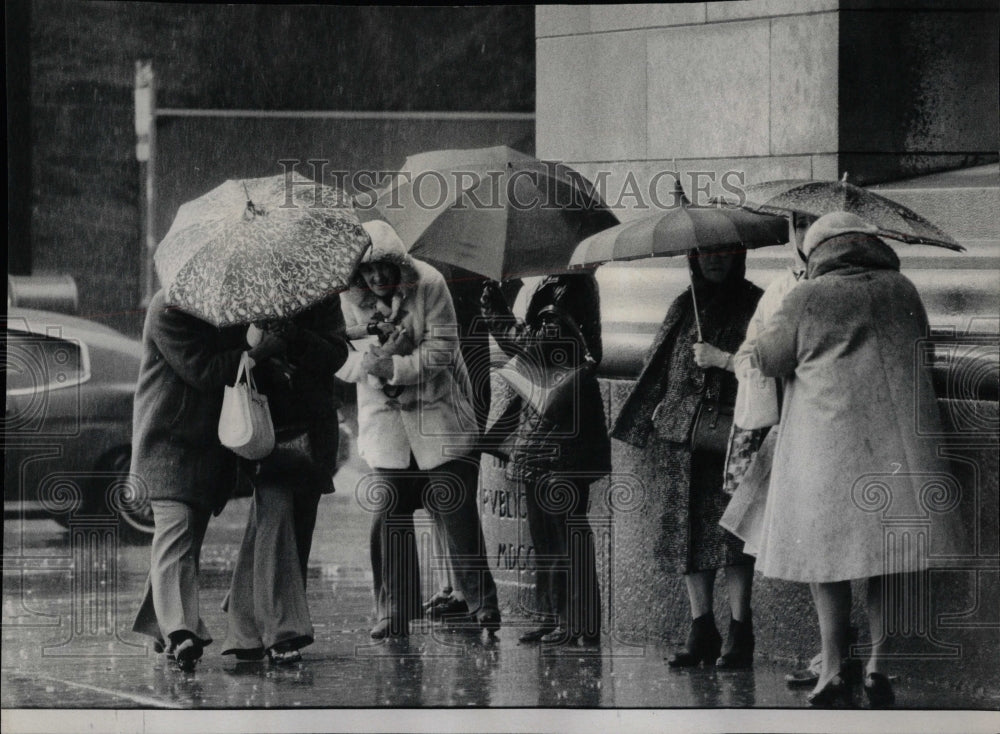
(68, 420)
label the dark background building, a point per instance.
(76, 186)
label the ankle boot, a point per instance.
(703, 644)
(738, 652)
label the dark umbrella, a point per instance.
(259, 249)
(816, 198)
(492, 211)
(679, 230)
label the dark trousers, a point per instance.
(267, 604)
(267, 598)
(566, 585)
(448, 493)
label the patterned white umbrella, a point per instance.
(260, 249)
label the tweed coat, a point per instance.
(671, 385)
(849, 462)
(186, 363)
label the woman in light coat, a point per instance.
(416, 429)
(849, 457)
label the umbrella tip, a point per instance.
(679, 191)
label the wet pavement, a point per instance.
(59, 650)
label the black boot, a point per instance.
(738, 653)
(703, 644)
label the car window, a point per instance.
(32, 362)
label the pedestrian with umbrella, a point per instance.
(558, 452)
(176, 455)
(747, 468)
(487, 214)
(274, 251)
(688, 377)
(417, 431)
(843, 342)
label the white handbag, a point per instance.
(245, 425)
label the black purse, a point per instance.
(713, 423)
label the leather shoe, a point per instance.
(558, 636)
(188, 653)
(535, 635)
(837, 693)
(738, 652)
(441, 597)
(807, 676)
(853, 671)
(879, 691)
(450, 607)
(704, 643)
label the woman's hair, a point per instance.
(737, 270)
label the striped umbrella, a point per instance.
(816, 198)
(260, 249)
(679, 230)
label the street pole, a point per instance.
(145, 153)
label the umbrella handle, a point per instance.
(694, 299)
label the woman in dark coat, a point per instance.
(180, 465)
(267, 598)
(679, 374)
(556, 459)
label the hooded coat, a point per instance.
(432, 416)
(848, 455)
(660, 412)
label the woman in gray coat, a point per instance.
(844, 340)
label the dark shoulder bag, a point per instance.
(712, 424)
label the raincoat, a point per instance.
(848, 461)
(433, 408)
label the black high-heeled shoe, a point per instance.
(837, 693)
(879, 691)
(738, 652)
(703, 644)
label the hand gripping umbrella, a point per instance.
(260, 249)
(677, 231)
(492, 211)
